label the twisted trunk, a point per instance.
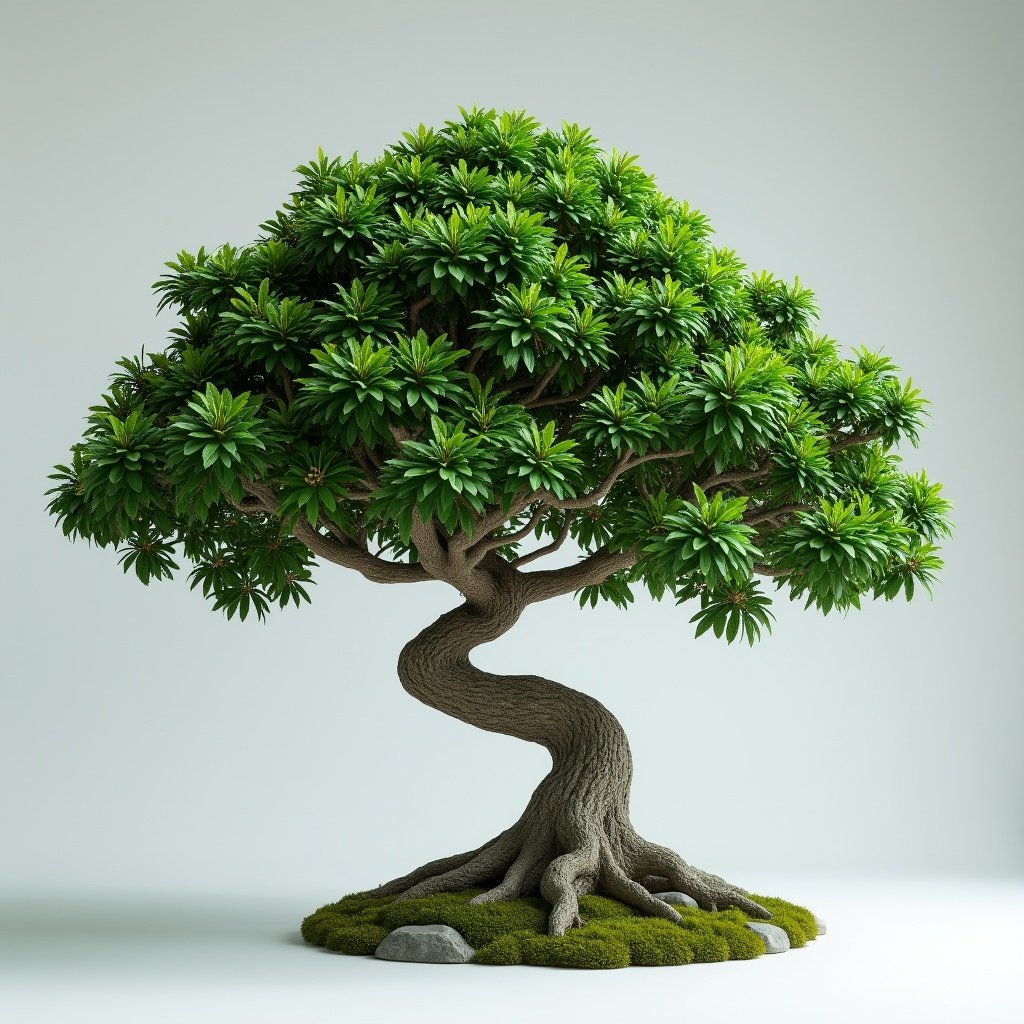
(574, 836)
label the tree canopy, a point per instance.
(491, 339)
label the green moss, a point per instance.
(504, 950)
(574, 949)
(356, 940)
(515, 931)
(480, 925)
(600, 908)
(651, 941)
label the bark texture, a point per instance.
(575, 836)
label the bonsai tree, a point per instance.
(449, 362)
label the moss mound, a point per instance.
(515, 931)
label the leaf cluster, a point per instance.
(493, 318)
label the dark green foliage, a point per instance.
(371, 312)
(270, 333)
(515, 931)
(491, 314)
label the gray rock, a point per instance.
(774, 937)
(426, 944)
(821, 924)
(679, 899)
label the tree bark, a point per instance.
(575, 836)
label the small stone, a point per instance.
(426, 944)
(679, 899)
(774, 937)
(821, 924)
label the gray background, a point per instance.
(872, 149)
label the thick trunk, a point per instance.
(574, 836)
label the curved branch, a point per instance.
(625, 462)
(532, 556)
(497, 517)
(733, 476)
(759, 515)
(415, 309)
(542, 384)
(573, 396)
(493, 520)
(490, 543)
(844, 441)
(588, 572)
(767, 570)
(378, 570)
(333, 549)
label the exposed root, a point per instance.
(617, 884)
(523, 875)
(661, 867)
(435, 867)
(567, 878)
(564, 863)
(485, 865)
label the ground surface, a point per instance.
(903, 951)
(514, 932)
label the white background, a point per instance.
(152, 751)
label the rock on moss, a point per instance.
(426, 944)
(797, 922)
(677, 899)
(775, 939)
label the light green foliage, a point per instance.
(515, 931)
(446, 477)
(495, 317)
(707, 538)
(218, 439)
(360, 312)
(545, 464)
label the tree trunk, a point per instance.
(574, 836)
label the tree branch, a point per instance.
(547, 549)
(759, 515)
(481, 547)
(595, 568)
(738, 475)
(574, 396)
(286, 383)
(542, 384)
(624, 463)
(474, 358)
(361, 454)
(336, 550)
(844, 441)
(767, 570)
(492, 520)
(353, 557)
(415, 309)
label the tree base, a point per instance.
(514, 931)
(564, 849)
